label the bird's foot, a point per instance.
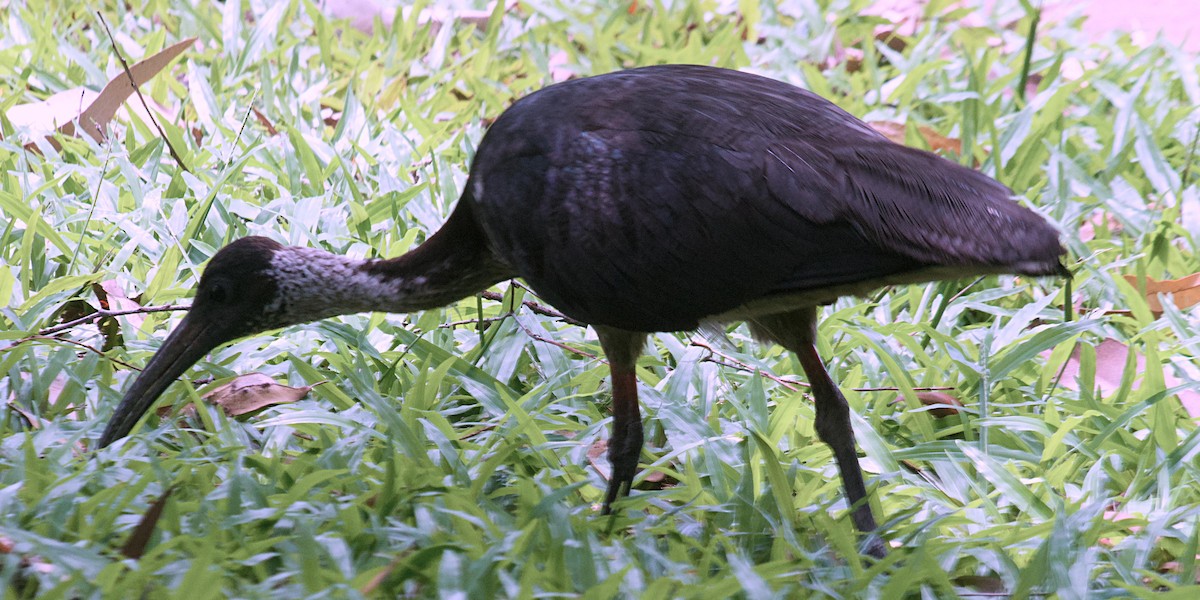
(875, 547)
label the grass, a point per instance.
(452, 461)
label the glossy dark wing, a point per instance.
(653, 198)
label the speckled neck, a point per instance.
(452, 264)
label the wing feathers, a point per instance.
(938, 212)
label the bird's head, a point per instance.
(239, 294)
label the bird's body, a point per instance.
(653, 200)
(724, 191)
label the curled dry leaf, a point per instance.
(941, 404)
(936, 141)
(1184, 292)
(252, 392)
(93, 111)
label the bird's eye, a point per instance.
(216, 293)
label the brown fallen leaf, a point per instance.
(559, 69)
(599, 449)
(1184, 292)
(941, 403)
(53, 391)
(264, 121)
(93, 111)
(653, 480)
(113, 298)
(984, 584)
(1110, 368)
(1174, 567)
(371, 586)
(135, 546)
(1099, 219)
(852, 56)
(252, 392)
(936, 141)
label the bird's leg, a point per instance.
(625, 445)
(796, 331)
(833, 427)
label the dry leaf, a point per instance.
(1087, 231)
(936, 141)
(651, 480)
(379, 578)
(135, 546)
(53, 391)
(362, 14)
(852, 57)
(941, 403)
(251, 392)
(594, 453)
(112, 297)
(92, 110)
(1184, 292)
(1117, 516)
(984, 584)
(559, 71)
(1110, 368)
(1175, 568)
(264, 121)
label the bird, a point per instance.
(653, 199)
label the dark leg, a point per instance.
(797, 331)
(625, 446)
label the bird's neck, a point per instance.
(452, 264)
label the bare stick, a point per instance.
(535, 307)
(792, 384)
(100, 314)
(138, 91)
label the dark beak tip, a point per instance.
(186, 345)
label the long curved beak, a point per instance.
(190, 341)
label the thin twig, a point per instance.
(928, 388)
(92, 208)
(238, 137)
(566, 347)
(1030, 40)
(535, 307)
(453, 324)
(103, 313)
(49, 338)
(1185, 178)
(138, 91)
(792, 384)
